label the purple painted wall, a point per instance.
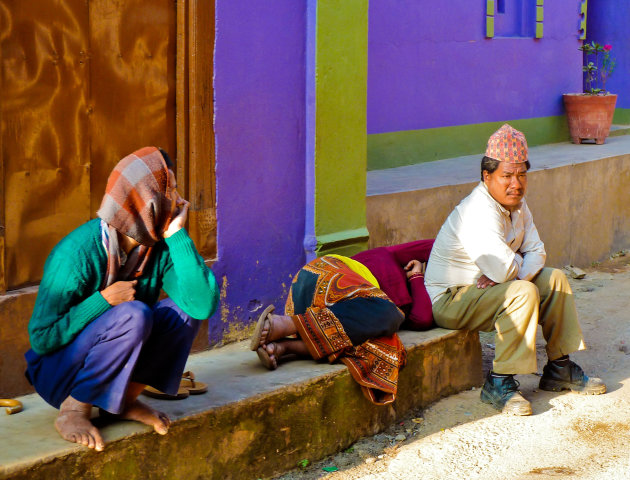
(430, 65)
(259, 123)
(608, 22)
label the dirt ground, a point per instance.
(568, 436)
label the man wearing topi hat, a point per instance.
(486, 272)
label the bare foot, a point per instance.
(141, 412)
(73, 424)
(267, 357)
(276, 327)
(276, 350)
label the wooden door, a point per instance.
(83, 84)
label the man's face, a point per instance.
(507, 184)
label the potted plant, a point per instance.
(590, 113)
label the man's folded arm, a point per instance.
(483, 240)
(532, 249)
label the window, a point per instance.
(514, 18)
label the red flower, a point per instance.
(608, 47)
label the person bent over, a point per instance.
(336, 311)
(485, 272)
(349, 309)
(98, 333)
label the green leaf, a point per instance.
(330, 469)
(303, 463)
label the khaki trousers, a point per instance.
(514, 309)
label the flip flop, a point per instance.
(255, 342)
(13, 406)
(155, 393)
(265, 359)
(194, 388)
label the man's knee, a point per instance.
(523, 291)
(551, 280)
(134, 320)
(171, 320)
(557, 277)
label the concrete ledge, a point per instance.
(577, 194)
(251, 424)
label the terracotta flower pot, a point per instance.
(589, 116)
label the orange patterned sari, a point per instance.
(340, 315)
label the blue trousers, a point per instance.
(129, 342)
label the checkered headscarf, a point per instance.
(507, 145)
(136, 204)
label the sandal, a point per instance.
(13, 406)
(194, 388)
(187, 386)
(155, 393)
(255, 342)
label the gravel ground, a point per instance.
(569, 435)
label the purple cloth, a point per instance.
(130, 342)
(417, 250)
(390, 275)
(387, 265)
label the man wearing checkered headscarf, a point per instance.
(99, 334)
(486, 273)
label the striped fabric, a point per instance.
(136, 204)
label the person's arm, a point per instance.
(420, 315)
(68, 299)
(532, 249)
(187, 280)
(482, 237)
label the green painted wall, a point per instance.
(622, 116)
(395, 149)
(341, 126)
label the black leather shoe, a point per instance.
(502, 393)
(556, 378)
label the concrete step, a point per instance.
(577, 195)
(252, 423)
(616, 130)
(465, 169)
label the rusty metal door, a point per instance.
(84, 83)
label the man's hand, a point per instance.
(414, 267)
(484, 282)
(120, 292)
(179, 219)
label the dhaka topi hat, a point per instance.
(507, 145)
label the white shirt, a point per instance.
(480, 236)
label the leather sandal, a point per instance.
(189, 383)
(257, 335)
(13, 406)
(155, 393)
(187, 386)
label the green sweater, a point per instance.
(69, 297)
